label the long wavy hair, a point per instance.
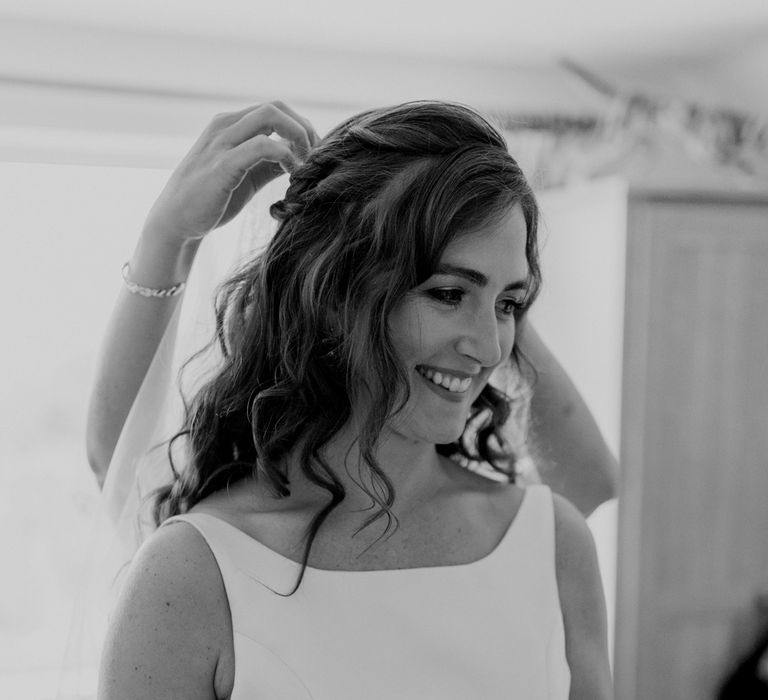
(302, 327)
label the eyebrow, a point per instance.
(476, 277)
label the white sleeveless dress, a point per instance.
(486, 630)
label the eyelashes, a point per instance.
(454, 296)
(451, 297)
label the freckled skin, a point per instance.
(179, 568)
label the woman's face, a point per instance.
(452, 331)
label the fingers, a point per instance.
(267, 119)
(314, 139)
(261, 150)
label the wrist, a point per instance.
(170, 224)
(162, 261)
(171, 235)
(150, 292)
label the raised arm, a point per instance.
(133, 334)
(570, 452)
(229, 163)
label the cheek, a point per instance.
(406, 331)
(508, 338)
(500, 375)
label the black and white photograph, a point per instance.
(384, 351)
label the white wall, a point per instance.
(580, 312)
(132, 86)
(580, 315)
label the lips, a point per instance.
(449, 382)
(450, 372)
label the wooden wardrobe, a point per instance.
(656, 302)
(693, 504)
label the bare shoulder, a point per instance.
(582, 602)
(171, 631)
(578, 575)
(573, 539)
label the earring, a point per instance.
(330, 346)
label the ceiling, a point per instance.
(150, 66)
(488, 30)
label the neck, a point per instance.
(412, 467)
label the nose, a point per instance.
(481, 338)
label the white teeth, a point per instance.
(453, 384)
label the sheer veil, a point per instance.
(140, 461)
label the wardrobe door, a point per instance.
(693, 515)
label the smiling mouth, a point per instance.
(454, 385)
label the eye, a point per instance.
(454, 296)
(449, 296)
(512, 307)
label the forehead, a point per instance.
(495, 248)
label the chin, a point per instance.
(428, 431)
(444, 434)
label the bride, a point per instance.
(325, 441)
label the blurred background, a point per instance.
(644, 128)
